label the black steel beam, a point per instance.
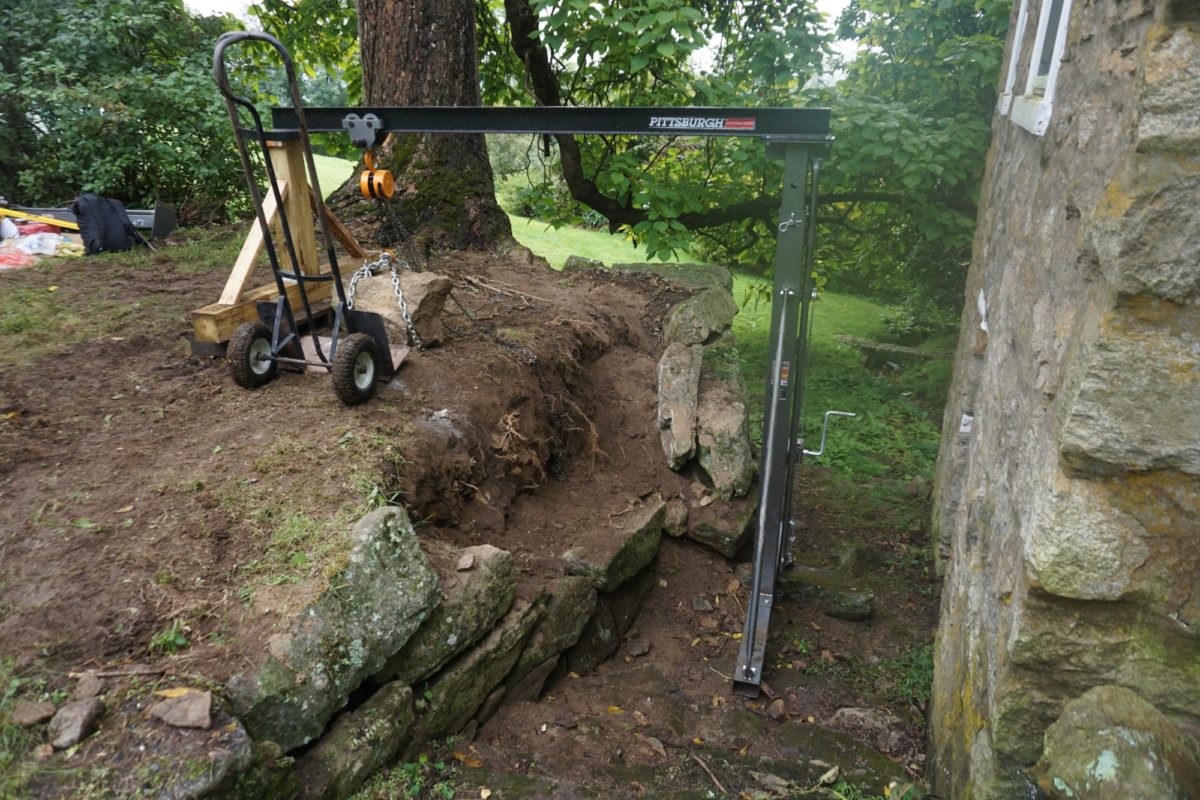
(777, 124)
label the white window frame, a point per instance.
(1032, 110)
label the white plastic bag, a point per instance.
(39, 244)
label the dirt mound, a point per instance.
(153, 513)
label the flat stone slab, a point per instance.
(723, 438)
(611, 557)
(473, 598)
(357, 745)
(678, 393)
(455, 696)
(692, 276)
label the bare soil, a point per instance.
(154, 514)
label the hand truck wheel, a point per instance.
(355, 371)
(249, 355)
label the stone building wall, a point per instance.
(1067, 502)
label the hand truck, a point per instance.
(358, 351)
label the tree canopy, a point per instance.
(910, 112)
(114, 96)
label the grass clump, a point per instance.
(910, 676)
(423, 779)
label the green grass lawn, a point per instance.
(332, 172)
(555, 245)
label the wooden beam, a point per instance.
(216, 323)
(288, 160)
(339, 230)
(251, 249)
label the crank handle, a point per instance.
(824, 432)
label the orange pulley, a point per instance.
(375, 184)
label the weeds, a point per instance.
(910, 676)
(171, 639)
(422, 779)
(16, 765)
(843, 790)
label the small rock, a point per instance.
(30, 712)
(882, 727)
(709, 622)
(706, 500)
(575, 262)
(745, 574)
(89, 686)
(850, 605)
(701, 604)
(74, 722)
(43, 751)
(675, 523)
(466, 562)
(191, 710)
(638, 647)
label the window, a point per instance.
(1032, 107)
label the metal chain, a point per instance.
(412, 329)
(371, 268)
(519, 351)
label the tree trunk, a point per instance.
(422, 53)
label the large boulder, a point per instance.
(1110, 744)
(473, 598)
(614, 614)
(424, 295)
(702, 317)
(723, 527)
(572, 601)
(372, 607)
(723, 423)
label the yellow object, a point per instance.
(73, 226)
(375, 184)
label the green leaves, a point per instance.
(114, 97)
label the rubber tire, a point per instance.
(246, 344)
(350, 383)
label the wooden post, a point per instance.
(215, 323)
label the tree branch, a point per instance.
(525, 41)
